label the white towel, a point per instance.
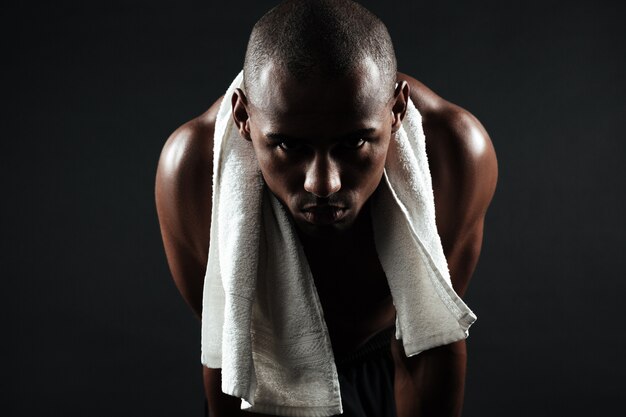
(262, 321)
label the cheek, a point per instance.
(366, 171)
(280, 176)
(378, 159)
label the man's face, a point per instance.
(321, 145)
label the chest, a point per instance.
(354, 294)
(350, 283)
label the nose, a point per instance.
(322, 176)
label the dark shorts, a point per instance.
(366, 379)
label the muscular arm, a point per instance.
(183, 202)
(464, 171)
(183, 191)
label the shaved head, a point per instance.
(320, 107)
(326, 39)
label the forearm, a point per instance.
(443, 381)
(432, 383)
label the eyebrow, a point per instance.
(354, 134)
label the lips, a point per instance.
(323, 215)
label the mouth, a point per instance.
(323, 214)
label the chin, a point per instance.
(320, 231)
(325, 231)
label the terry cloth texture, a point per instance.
(262, 321)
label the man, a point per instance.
(322, 100)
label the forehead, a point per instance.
(280, 101)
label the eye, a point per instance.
(354, 143)
(290, 145)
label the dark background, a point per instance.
(94, 324)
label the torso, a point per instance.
(352, 288)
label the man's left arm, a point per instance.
(463, 187)
(464, 172)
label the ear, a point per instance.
(241, 115)
(399, 103)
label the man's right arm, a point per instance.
(183, 191)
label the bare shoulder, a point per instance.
(461, 155)
(189, 143)
(183, 186)
(449, 128)
(464, 171)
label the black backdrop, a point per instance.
(94, 324)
